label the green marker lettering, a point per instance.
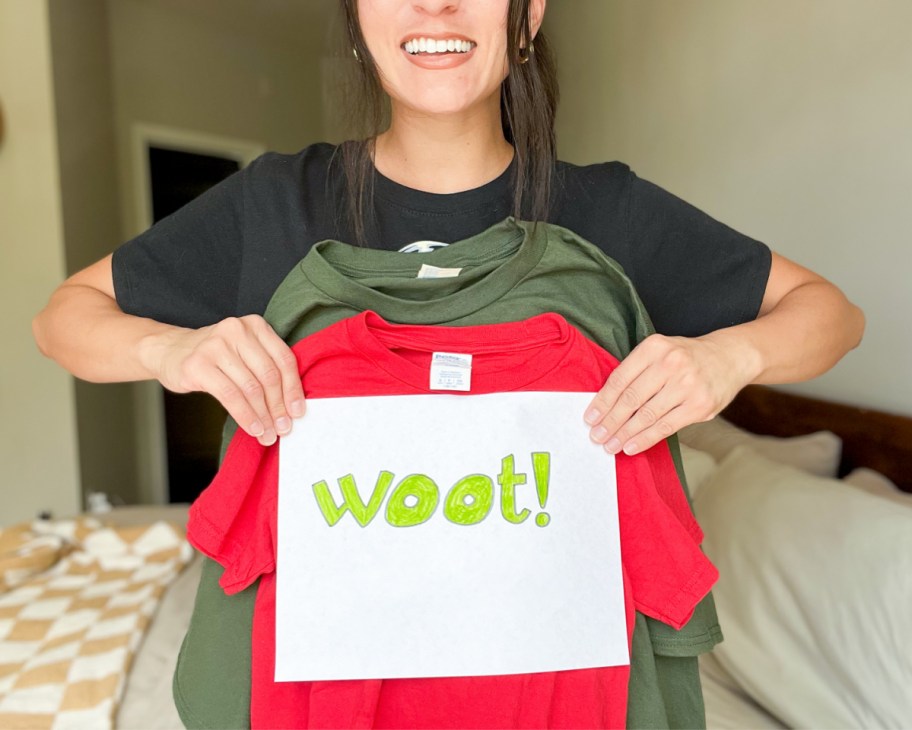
(351, 499)
(469, 500)
(508, 480)
(541, 471)
(424, 490)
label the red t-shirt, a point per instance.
(234, 523)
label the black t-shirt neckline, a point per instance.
(444, 203)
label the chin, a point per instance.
(446, 102)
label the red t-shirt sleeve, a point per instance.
(234, 520)
(669, 488)
(665, 477)
(668, 572)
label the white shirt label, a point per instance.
(451, 371)
(436, 272)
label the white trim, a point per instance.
(152, 446)
(151, 443)
(145, 135)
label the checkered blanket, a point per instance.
(75, 600)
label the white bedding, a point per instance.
(147, 703)
(727, 706)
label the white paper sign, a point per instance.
(484, 539)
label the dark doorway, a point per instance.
(193, 421)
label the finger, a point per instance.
(653, 417)
(651, 413)
(670, 423)
(251, 390)
(631, 399)
(269, 377)
(612, 391)
(232, 397)
(285, 360)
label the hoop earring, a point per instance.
(524, 58)
(355, 54)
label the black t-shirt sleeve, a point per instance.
(185, 270)
(694, 274)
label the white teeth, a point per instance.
(432, 45)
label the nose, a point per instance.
(436, 7)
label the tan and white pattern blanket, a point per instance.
(75, 600)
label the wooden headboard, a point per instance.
(877, 440)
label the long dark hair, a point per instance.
(528, 105)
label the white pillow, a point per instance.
(698, 465)
(815, 593)
(876, 483)
(817, 453)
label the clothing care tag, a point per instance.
(436, 272)
(451, 371)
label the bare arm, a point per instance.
(240, 361)
(804, 327)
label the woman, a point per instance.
(470, 140)
(446, 116)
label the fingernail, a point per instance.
(631, 449)
(613, 446)
(593, 416)
(283, 424)
(256, 429)
(599, 433)
(297, 408)
(268, 438)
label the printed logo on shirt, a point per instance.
(422, 246)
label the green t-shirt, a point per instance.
(512, 271)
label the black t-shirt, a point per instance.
(225, 253)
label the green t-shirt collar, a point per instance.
(497, 259)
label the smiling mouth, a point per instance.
(428, 46)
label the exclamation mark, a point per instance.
(541, 468)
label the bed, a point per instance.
(810, 525)
(82, 601)
(807, 514)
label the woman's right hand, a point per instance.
(242, 363)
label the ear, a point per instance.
(536, 15)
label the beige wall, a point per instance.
(790, 120)
(91, 223)
(230, 68)
(37, 419)
(236, 69)
(202, 67)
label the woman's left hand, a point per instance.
(804, 325)
(666, 383)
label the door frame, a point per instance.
(149, 402)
